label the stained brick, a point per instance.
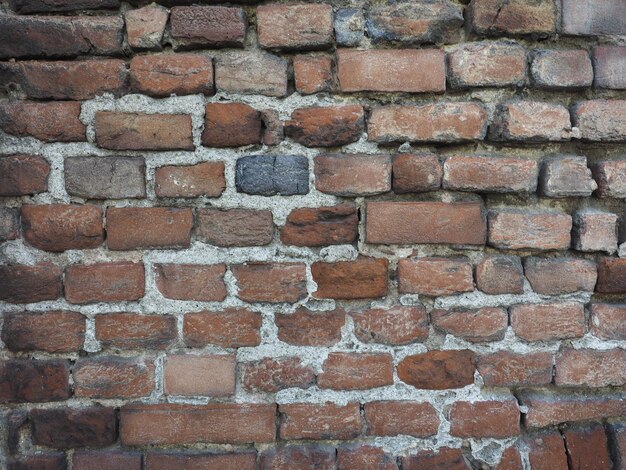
(145, 26)
(66, 428)
(53, 331)
(268, 175)
(251, 72)
(135, 331)
(9, 223)
(356, 371)
(353, 174)
(611, 276)
(313, 74)
(395, 418)
(607, 322)
(23, 174)
(295, 26)
(442, 459)
(435, 276)
(166, 74)
(590, 367)
(548, 322)
(232, 328)
(587, 447)
(310, 456)
(23, 284)
(609, 63)
(50, 122)
(416, 173)
(40, 462)
(359, 279)
(234, 227)
(507, 369)
(595, 231)
(106, 460)
(244, 460)
(611, 178)
(490, 175)
(601, 120)
(198, 26)
(113, 377)
(39, 6)
(438, 370)
(105, 177)
(590, 18)
(496, 419)
(500, 274)
(517, 229)
(547, 451)
(323, 421)
(531, 121)
(309, 328)
(321, 226)
(24, 380)
(476, 326)
(104, 282)
(515, 17)
(231, 125)
(360, 456)
(270, 282)
(395, 326)
(326, 126)
(272, 375)
(557, 276)
(203, 179)
(199, 282)
(561, 69)
(566, 176)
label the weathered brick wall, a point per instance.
(340, 235)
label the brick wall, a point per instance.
(340, 235)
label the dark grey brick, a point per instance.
(9, 224)
(105, 177)
(268, 175)
(349, 23)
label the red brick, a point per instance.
(50, 122)
(190, 424)
(416, 173)
(515, 17)
(272, 375)
(60, 227)
(487, 64)
(207, 375)
(590, 18)
(38, 461)
(198, 26)
(136, 131)
(23, 174)
(199, 282)
(590, 368)
(531, 121)
(482, 419)
(608, 322)
(104, 282)
(490, 175)
(66, 428)
(395, 326)
(587, 447)
(356, 371)
(389, 70)
(22, 284)
(547, 451)
(9, 224)
(610, 176)
(507, 369)
(362, 456)
(321, 422)
(234, 227)
(135, 228)
(499, 274)
(326, 126)
(202, 179)
(434, 276)
(556, 276)
(360, 279)
(617, 436)
(232, 328)
(510, 460)
(445, 458)
(518, 229)
(305, 457)
(270, 282)
(23, 380)
(245, 460)
(134, 331)
(231, 125)
(308, 328)
(145, 26)
(425, 222)
(113, 377)
(548, 322)
(436, 122)
(611, 276)
(601, 120)
(106, 460)
(609, 63)
(65, 80)
(234, 69)
(353, 174)
(166, 74)
(295, 26)
(52, 332)
(476, 326)
(438, 370)
(562, 69)
(273, 132)
(334, 225)
(313, 74)
(395, 418)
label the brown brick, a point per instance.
(9, 223)
(23, 174)
(60, 227)
(272, 375)
(50, 122)
(273, 132)
(515, 17)
(23, 380)
(590, 18)
(476, 326)
(234, 227)
(198, 26)
(295, 26)
(507, 369)
(232, 328)
(395, 326)
(38, 461)
(199, 282)
(136, 131)
(510, 460)
(499, 274)
(547, 451)
(313, 74)
(207, 375)
(310, 456)
(231, 125)
(436, 122)
(548, 322)
(389, 70)
(617, 435)
(251, 72)
(22, 284)
(531, 121)
(481, 419)
(608, 321)
(356, 371)
(587, 447)
(416, 173)
(309, 328)
(135, 331)
(270, 282)
(361, 456)
(561, 69)
(104, 282)
(166, 74)
(39, 6)
(610, 176)
(113, 377)
(425, 222)
(321, 226)
(164, 424)
(590, 367)
(145, 26)
(611, 276)
(556, 276)
(66, 428)
(245, 460)
(106, 460)
(326, 126)
(601, 120)
(323, 421)
(395, 418)
(105, 177)
(435, 276)
(202, 179)
(445, 458)
(490, 175)
(353, 174)
(517, 229)
(487, 64)
(52, 332)
(360, 279)
(609, 63)
(135, 228)
(438, 370)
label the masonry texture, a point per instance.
(338, 235)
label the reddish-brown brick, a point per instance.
(438, 370)
(481, 419)
(208, 375)
(611, 276)
(52, 332)
(547, 451)
(106, 460)
(561, 69)
(23, 174)
(324, 421)
(295, 26)
(309, 456)
(232, 328)
(608, 321)
(566, 176)
(395, 326)
(313, 74)
(24, 380)
(514, 17)
(360, 279)
(231, 125)
(309, 328)
(66, 428)
(200, 282)
(556, 276)
(548, 322)
(113, 377)
(356, 371)
(9, 223)
(234, 227)
(272, 375)
(104, 282)
(166, 74)
(234, 69)
(273, 127)
(500, 274)
(490, 175)
(434, 276)
(611, 178)
(609, 63)
(587, 447)
(445, 458)
(334, 225)
(590, 18)
(326, 126)
(510, 460)
(361, 456)
(353, 174)
(517, 229)
(416, 173)
(133, 228)
(38, 6)
(46, 461)
(244, 460)
(531, 121)
(201, 179)
(135, 331)
(23, 284)
(270, 282)
(198, 26)
(476, 326)
(145, 26)
(50, 122)
(617, 435)
(507, 369)
(590, 368)
(601, 120)
(395, 418)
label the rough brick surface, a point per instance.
(490, 175)
(601, 120)
(104, 282)
(23, 284)
(105, 177)
(313, 74)
(537, 230)
(203, 179)
(180, 74)
(438, 370)
(476, 326)
(561, 69)
(133, 331)
(23, 174)
(145, 27)
(484, 419)
(393, 418)
(531, 121)
(268, 175)
(234, 227)
(609, 174)
(363, 278)
(194, 26)
(113, 377)
(560, 276)
(326, 127)
(191, 281)
(435, 276)
(53, 332)
(231, 125)
(319, 328)
(353, 175)
(505, 369)
(67, 428)
(333, 225)
(231, 328)
(548, 322)
(295, 26)
(270, 282)
(416, 173)
(400, 325)
(312, 421)
(500, 275)
(34, 381)
(566, 176)
(251, 73)
(609, 63)
(50, 122)
(516, 17)
(587, 18)
(356, 371)
(208, 375)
